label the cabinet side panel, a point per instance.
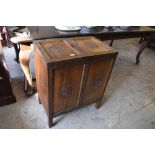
(67, 82)
(41, 79)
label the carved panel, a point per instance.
(96, 81)
(66, 91)
(90, 45)
(57, 48)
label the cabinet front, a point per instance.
(97, 75)
(67, 84)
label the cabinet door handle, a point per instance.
(1, 78)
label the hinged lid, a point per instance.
(59, 49)
(92, 46)
(70, 48)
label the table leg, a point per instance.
(111, 42)
(141, 40)
(17, 50)
(145, 44)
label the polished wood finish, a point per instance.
(71, 73)
(6, 94)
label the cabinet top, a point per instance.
(71, 48)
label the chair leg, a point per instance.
(24, 58)
(27, 88)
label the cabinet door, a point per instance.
(67, 83)
(96, 78)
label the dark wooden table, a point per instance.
(104, 33)
(45, 32)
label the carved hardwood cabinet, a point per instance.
(71, 73)
(6, 93)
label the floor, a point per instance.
(129, 100)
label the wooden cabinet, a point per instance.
(6, 94)
(71, 73)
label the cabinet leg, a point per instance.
(50, 122)
(98, 104)
(39, 100)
